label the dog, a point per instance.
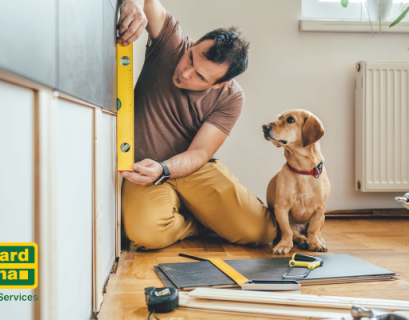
(298, 193)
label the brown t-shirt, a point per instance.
(167, 118)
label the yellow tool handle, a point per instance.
(303, 260)
(309, 265)
(229, 271)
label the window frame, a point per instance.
(332, 10)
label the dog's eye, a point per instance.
(290, 120)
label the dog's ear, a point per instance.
(312, 131)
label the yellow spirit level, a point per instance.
(125, 108)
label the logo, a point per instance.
(18, 265)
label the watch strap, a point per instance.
(165, 174)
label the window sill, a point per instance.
(351, 26)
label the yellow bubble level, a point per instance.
(125, 108)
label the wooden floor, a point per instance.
(381, 242)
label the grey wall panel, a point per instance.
(28, 39)
(80, 49)
(109, 57)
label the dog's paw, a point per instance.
(303, 245)
(302, 241)
(317, 245)
(283, 247)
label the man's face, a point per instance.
(195, 72)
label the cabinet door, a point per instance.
(16, 182)
(108, 181)
(73, 248)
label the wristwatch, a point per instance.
(165, 174)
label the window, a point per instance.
(356, 10)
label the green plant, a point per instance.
(344, 3)
(403, 15)
(404, 7)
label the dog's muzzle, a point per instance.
(266, 129)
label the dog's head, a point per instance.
(294, 128)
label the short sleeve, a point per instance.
(169, 38)
(226, 113)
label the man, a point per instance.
(186, 103)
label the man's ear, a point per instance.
(312, 131)
(194, 43)
(219, 85)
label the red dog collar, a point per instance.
(316, 172)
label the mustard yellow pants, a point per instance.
(211, 198)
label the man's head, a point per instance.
(213, 60)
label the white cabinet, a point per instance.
(16, 163)
(108, 185)
(74, 210)
(58, 188)
(16, 182)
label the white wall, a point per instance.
(289, 69)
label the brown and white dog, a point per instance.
(298, 193)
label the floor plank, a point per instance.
(384, 242)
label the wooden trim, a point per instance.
(67, 97)
(109, 112)
(47, 122)
(118, 207)
(26, 83)
(367, 213)
(283, 312)
(118, 214)
(22, 82)
(307, 300)
(97, 211)
(351, 26)
(287, 306)
(118, 203)
(36, 143)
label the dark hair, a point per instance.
(229, 47)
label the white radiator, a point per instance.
(381, 126)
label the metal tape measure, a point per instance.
(161, 300)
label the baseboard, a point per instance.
(367, 213)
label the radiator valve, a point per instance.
(404, 200)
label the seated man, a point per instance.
(186, 103)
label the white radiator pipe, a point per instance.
(404, 200)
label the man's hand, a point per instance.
(147, 171)
(132, 21)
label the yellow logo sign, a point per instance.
(18, 265)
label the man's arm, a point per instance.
(206, 142)
(138, 14)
